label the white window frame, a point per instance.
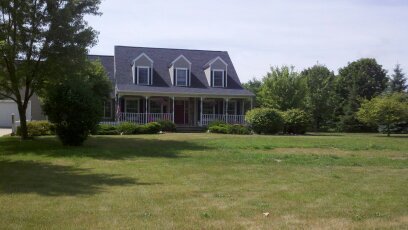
(213, 77)
(148, 74)
(138, 104)
(186, 69)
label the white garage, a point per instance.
(8, 107)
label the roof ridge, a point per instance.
(169, 48)
(104, 55)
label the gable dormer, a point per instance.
(180, 71)
(216, 72)
(142, 69)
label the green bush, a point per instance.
(38, 128)
(296, 121)
(238, 129)
(167, 126)
(221, 128)
(127, 128)
(229, 129)
(264, 120)
(216, 123)
(151, 128)
(106, 130)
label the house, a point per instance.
(188, 87)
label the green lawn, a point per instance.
(205, 181)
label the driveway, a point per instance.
(4, 131)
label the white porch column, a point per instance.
(146, 107)
(226, 110)
(173, 109)
(243, 107)
(201, 111)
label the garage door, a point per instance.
(8, 107)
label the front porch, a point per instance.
(183, 111)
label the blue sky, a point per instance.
(262, 33)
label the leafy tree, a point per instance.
(282, 89)
(254, 86)
(359, 80)
(398, 81)
(320, 98)
(39, 40)
(384, 110)
(75, 105)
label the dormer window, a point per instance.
(179, 70)
(216, 72)
(218, 78)
(181, 76)
(143, 73)
(142, 68)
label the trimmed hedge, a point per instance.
(38, 128)
(296, 121)
(264, 120)
(128, 128)
(167, 126)
(229, 129)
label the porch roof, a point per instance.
(188, 91)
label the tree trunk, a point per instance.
(23, 120)
(388, 130)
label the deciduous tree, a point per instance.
(39, 41)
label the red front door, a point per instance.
(180, 113)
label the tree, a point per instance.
(282, 89)
(398, 81)
(75, 105)
(39, 41)
(319, 94)
(384, 110)
(254, 86)
(359, 80)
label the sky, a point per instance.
(259, 34)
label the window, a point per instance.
(208, 108)
(143, 73)
(232, 108)
(181, 76)
(155, 106)
(132, 106)
(218, 78)
(107, 109)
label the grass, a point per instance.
(206, 181)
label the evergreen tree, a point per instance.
(398, 81)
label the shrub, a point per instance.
(167, 126)
(151, 128)
(221, 128)
(264, 120)
(216, 123)
(296, 121)
(38, 128)
(75, 103)
(229, 129)
(238, 129)
(128, 128)
(106, 130)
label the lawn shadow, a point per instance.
(101, 147)
(55, 180)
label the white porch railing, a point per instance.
(142, 118)
(230, 119)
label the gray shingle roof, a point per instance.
(107, 62)
(162, 58)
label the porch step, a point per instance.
(190, 129)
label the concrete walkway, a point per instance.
(4, 131)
